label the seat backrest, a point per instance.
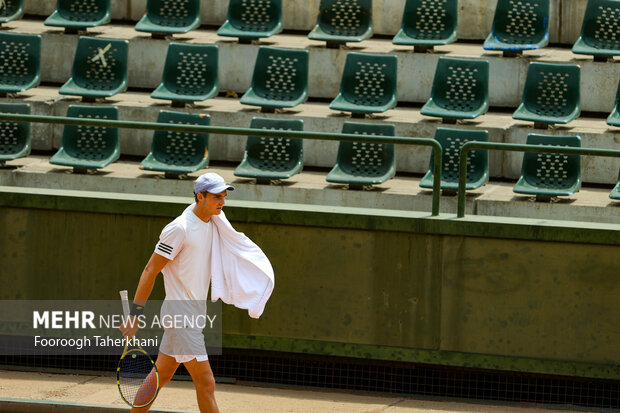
(173, 13)
(552, 89)
(550, 170)
(430, 20)
(364, 158)
(90, 142)
(521, 21)
(601, 24)
(280, 74)
(345, 17)
(460, 84)
(181, 148)
(369, 79)
(100, 64)
(274, 154)
(83, 10)
(20, 58)
(191, 69)
(13, 9)
(14, 136)
(255, 15)
(451, 141)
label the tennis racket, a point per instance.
(136, 375)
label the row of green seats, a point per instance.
(358, 164)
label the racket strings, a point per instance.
(137, 378)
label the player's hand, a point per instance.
(129, 328)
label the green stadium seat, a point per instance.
(75, 15)
(615, 193)
(190, 74)
(451, 141)
(551, 94)
(99, 69)
(88, 147)
(519, 25)
(269, 159)
(14, 136)
(178, 153)
(460, 90)
(11, 10)
(600, 31)
(368, 84)
(250, 20)
(280, 79)
(548, 174)
(20, 62)
(427, 24)
(362, 163)
(168, 17)
(341, 21)
(614, 117)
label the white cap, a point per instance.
(212, 183)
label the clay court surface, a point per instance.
(179, 396)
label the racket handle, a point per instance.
(125, 302)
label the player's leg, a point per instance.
(202, 375)
(166, 366)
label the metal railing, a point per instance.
(471, 145)
(247, 132)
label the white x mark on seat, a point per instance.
(100, 54)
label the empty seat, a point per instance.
(460, 90)
(99, 69)
(168, 17)
(269, 158)
(249, 19)
(368, 84)
(341, 21)
(75, 15)
(600, 31)
(451, 141)
(280, 79)
(615, 193)
(519, 25)
(551, 94)
(88, 147)
(179, 153)
(14, 136)
(363, 163)
(11, 10)
(614, 117)
(548, 174)
(20, 62)
(190, 74)
(427, 24)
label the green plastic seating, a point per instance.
(615, 193)
(190, 74)
(168, 17)
(249, 19)
(427, 24)
(600, 31)
(551, 94)
(75, 15)
(14, 136)
(20, 62)
(280, 79)
(269, 159)
(99, 69)
(342, 21)
(362, 163)
(519, 25)
(614, 117)
(451, 141)
(88, 147)
(368, 84)
(460, 90)
(11, 10)
(178, 153)
(548, 174)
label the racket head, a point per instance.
(137, 378)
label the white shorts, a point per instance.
(184, 344)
